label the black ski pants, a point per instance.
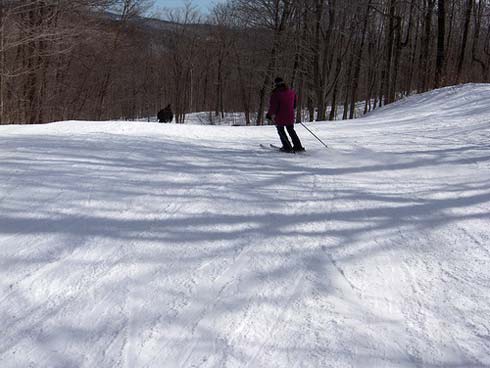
(284, 138)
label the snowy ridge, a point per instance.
(162, 245)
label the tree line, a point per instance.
(102, 59)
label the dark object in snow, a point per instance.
(281, 111)
(166, 115)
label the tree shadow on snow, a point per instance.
(187, 238)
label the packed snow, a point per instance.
(130, 244)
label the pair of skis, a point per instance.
(272, 147)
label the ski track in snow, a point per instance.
(129, 244)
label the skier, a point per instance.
(166, 115)
(281, 113)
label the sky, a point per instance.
(204, 5)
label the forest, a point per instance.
(110, 59)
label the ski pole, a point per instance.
(313, 134)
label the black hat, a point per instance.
(278, 81)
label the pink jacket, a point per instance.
(282, 105)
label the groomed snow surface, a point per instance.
(129, 244)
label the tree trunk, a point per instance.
(464, 41)
(389, 52)
(479, 10)
(347, 88)
(243, 89)
(396, 60)
(357, 68)
(441, 37)
(318, 77)
(333, 110)
(424, 65)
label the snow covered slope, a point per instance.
(158, 245)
